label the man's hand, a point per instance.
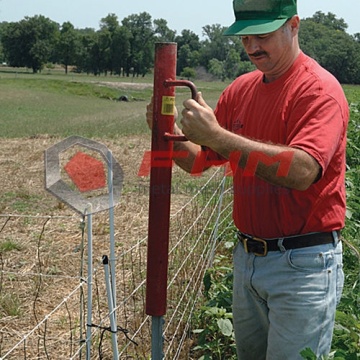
(198, 121)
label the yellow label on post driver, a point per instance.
(168, 105)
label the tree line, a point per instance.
(127, 48)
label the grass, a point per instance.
(352, 93)
(30, 107)
(60, 105)
(9, 245)
(10, 305)
(21, 201)
(56, 104)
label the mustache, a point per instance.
(258, 53)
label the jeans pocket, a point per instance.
(310, 259)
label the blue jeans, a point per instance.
(286, 301)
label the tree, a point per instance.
(141, 57)
(330, 21)
(342, 58)
(232, 64)
(109, 28)
(215, 45)
(189, 38)
(67, 46)
(162, 31)
(357, 37)
(188, 73)
(245, 67)
(110, 23)
(331, 46)
(2, 56)
(84, 59)
(216, 68)
(128, 47)
(102, 51)
(186, 58)
(43, 34)
(30, 42)
(106, 50)
(188, 46)
(121, 49)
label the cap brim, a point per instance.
(254, 27)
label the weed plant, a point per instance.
(213, 322)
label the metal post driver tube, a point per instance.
(160, 175)
(160, 186)
(160, 191)
(160, 179)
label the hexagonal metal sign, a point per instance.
(86, 173)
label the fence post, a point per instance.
(110, 296)
(89, 282)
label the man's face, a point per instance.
(273, 53)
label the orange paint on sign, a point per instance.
(86, 172)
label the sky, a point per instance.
(179, 14)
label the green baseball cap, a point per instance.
(255, 17)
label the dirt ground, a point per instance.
(125, 85)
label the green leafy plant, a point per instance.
(214, 334)
(346, 339)
(308, 354)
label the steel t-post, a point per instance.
(112, 227)
(89, 281)
(110, 296)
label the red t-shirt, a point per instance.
(306, 109)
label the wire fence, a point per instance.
(43, 279)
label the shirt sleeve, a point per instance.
(316, 125)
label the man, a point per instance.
(288, 262)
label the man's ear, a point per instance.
(295, 23)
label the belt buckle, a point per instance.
(262, 241)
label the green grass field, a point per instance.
(64, 105)
(61, 105)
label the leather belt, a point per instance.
(261, 247)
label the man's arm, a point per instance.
(199, 124)
(302, 169)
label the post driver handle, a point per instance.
(192, 87)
